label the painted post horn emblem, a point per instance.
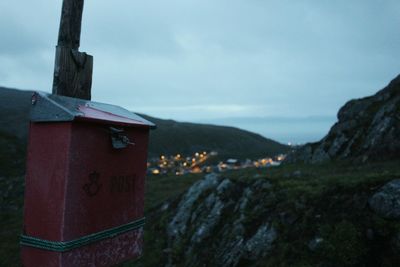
(93, 187)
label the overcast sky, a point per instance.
(199, 60)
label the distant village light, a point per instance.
(280, 157)
(180, 165)
(196, 169)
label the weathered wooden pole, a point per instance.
(73, 69)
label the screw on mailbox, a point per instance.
(34, 98)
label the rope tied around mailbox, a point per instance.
(63, 246)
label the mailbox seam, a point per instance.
(68, 163)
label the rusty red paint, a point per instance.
(78, 184)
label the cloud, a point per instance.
(201, 112)
(299, 57)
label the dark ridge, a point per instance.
(170, 137)
(367, 130)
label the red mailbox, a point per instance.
(84, 195)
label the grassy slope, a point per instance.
(333, 191)
(327, 200)
(12, 155)
(331, 200)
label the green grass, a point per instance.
(11, 202)
(159, 188)
(12, 155)
(337, 193)
(329, 200)
(331, 190)
(11, 225)
(344, 243)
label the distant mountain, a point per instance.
(368, 129)
(169, 138)
(14, 110)
(187, 138)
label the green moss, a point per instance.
(343, 244)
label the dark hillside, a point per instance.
(171, 137)
(12, 155)
(188, 138)
(334, 214)
(14, 110)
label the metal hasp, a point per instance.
(84, 194)
(119, 139)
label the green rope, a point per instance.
(62, 246)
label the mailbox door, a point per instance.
(105, 190)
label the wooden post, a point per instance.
(73, 69)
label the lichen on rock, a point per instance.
(386, 202)
(214, 211)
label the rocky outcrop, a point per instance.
(215, 211)
(386, 202)
(367, 129)
(278, 220)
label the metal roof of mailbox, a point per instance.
(56, 108)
